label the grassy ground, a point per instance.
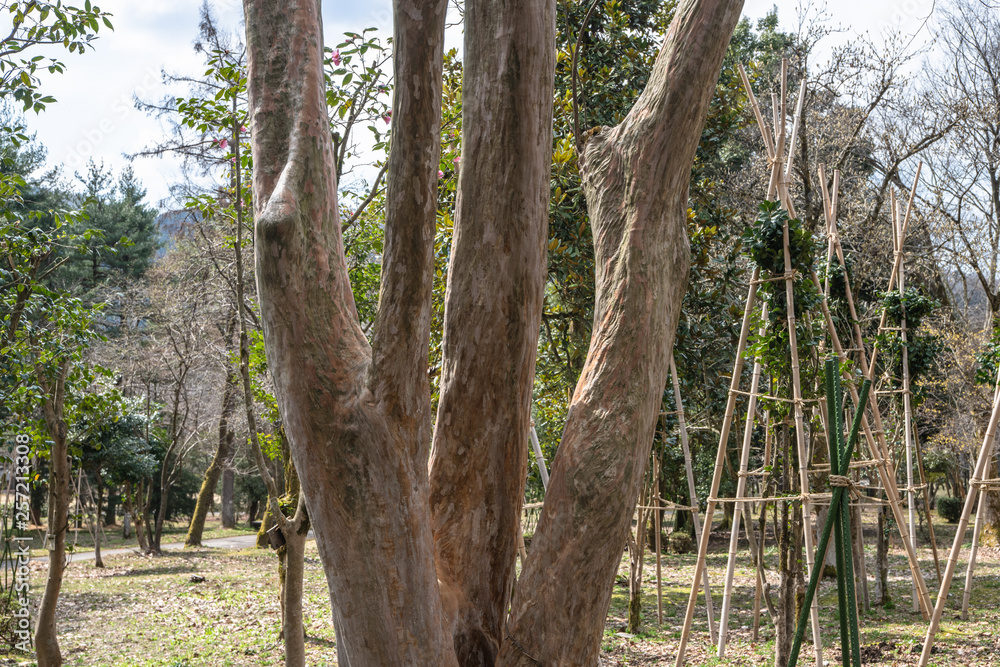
(173, 531)
(146, 612)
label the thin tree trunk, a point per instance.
(882, 561)
(46, 642)
(228, 497)
(161, 513)
(223, 453)
(635, 177)
(111, 508)
(147, 515)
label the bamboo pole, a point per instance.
(852, 636)
(878, 445)
(974, 489)
(976, 532)
(741, 486)
(539, 458)
(824, 542)
(720, 457)
(692, 490)
(927, 502)
(862, 569)
(800, 441)
(656, 527)
(898, 241)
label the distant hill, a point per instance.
(171, 225)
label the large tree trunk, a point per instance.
(493, 310)
(420, 570)
(357, 417)
(635, 177)
(223, 453)
(46, 642)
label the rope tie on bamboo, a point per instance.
(776, 278)
(845, 482)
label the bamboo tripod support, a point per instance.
(875, 439)
(719, 465)
(778, 185)
(692, 495)
(975, 489)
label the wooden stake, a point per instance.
(692, 490)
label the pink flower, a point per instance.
(336, 57)
(457, 159)
(223, 143)
(440, 174)
(243, 129)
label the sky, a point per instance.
(95, 117)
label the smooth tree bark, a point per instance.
(493, 309)
(635, 178)
(357, 417)
(46, 640)
(292, 530)
(419, 564)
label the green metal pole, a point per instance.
(838, 494)
(835, 440)
(847, 555)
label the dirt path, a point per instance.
(235, 542)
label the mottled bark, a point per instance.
(635, 177)
(357, 418)
(46, 642)
(493, 309)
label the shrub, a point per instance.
(950, 509)
(681, 542)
